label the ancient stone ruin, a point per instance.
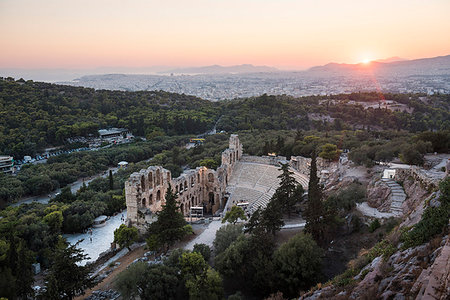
(145, 190)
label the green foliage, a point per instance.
(148, 282)
(248, 263)
(289, 192)
(329, 152)
(298, 264)
(204, 250)
(434, 219)
(125, 236)
(43, 114)
(234, 214)
(54, 220)
(347, 198)
(169, 227)
(384, 248)
(374, 225)
(225, 236)
(67, 278)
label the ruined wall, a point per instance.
(266, 160)
(325, 168)
(145, 190)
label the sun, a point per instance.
(366, 61)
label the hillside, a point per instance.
(36, 115)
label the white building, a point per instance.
(389, 173)
(6, 164)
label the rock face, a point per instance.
(378, 195)
(422, 272)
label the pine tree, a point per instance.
(169, 227)
(289, 192)
(66, 278)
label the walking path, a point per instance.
(207, 236)
(397, 197)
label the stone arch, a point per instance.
(144, 202)
(150, 199)
(158, 177)
(158, 195)
(143, 183)
(211, 198)
(150, 180)
(210, 177)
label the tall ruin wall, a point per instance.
(325, 168)
(201, 187)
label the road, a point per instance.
(74, 187)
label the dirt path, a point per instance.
(127, 259)
(108, 282)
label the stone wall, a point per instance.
(145, 190)
(265, 160)
(325, 168)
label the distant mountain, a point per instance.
(217, 69)
(390, 59)
(425, 66)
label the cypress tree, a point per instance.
(315, 210)
(111, 180)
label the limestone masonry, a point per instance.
(145, 190)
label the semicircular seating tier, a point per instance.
(255, 184)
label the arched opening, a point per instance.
(143, 183)
(192, 201)
(150, 180)
(158, 178)
(180, 188)
(150, 200)
(211, 198)
(168, 176)
(198, 178)
(211, 177)
(236, 155)
(158, 196)
(185, 185)
(182, 208)
(192, 181)
(231, 158)
(144, 202)
(226, 179)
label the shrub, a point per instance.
(374, 225)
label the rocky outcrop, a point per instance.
(420, 272)
(378, 195)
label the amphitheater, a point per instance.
(255, 183)
(249, 181)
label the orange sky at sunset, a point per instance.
(283, 33)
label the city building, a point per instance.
(6, 164)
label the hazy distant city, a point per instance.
(218, 83)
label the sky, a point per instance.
(288, 34)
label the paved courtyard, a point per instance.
(101, 238)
